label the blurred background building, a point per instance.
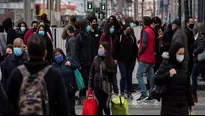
(59, 11)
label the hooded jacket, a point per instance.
(55, 85)
(11, 33)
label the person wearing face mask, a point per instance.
(96, 34)
(13, 60)
(126, 46)
(22, 29)
(173, 72)
(189, 25)
(84, 54)
(102, 78)
(67, 66)
(32, 30)
(49, 45)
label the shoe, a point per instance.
(129, 96)
(142, 97)
(195, 99)
(149, 98)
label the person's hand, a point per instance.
(191, 108)
(172, 72)
(115, 61)
(68, 63)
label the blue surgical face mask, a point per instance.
(41, 33)
(23, 29)
(132, 25)
(18, 51)
(112, 30)
(59, 59)
(101, 52)
(88, 28)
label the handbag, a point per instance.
(106, 86)
(79, 80)
(157, 91)
(201, 56)
(90, 106)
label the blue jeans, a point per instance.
(148, 69)
(126, 77)
(199, 68)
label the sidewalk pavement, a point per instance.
(153, 107)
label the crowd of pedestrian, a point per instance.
(31, 67)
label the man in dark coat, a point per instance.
(11, 33)
(189, 22)
(58, 100)
(13, 60)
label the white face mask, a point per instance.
(180, 58)
(23, 28)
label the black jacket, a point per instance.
(126, 46)
(83, 49)
(167, 40)
(5, 106)
(58, 100)
(190, 37)
(199, 46)
(11, 33)
(10, 63)
(178, 95)
(49, 47)
(95, 79)
(95, 40)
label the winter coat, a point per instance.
(83, 49)
(190, 37)
(27, 35)
(167, 39)
(111, 42)
(11, 62)
(181, 37)
(148, 55)
(70, 46)
(5, 106)
(178, 96)
(126, 46)
(2, 43)
(95, 79)
(11, 33)
(199, 46)
(58, 100)
(68, 72)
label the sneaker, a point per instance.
(142, 97)
(195, 99)
(129, 96)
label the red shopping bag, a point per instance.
(90, 106)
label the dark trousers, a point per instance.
(199, 68)
(85, 70)
(126, 77)
(102, 100)
(71, 98)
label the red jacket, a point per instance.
(27, 35)
(148, 55)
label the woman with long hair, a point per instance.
(102, 77)
(42, 31)
(173, 73)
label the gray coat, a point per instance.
(2, 42)
(181, 37)
(70, 47)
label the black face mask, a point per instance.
(95, 26)
(111, 21)
(191, 26)
(128, 32)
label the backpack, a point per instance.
(33, 96)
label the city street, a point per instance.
(153, 107)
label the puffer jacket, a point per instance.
(95, 79)
(199, 46)
(178, 96)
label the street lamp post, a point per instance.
(142, 9)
